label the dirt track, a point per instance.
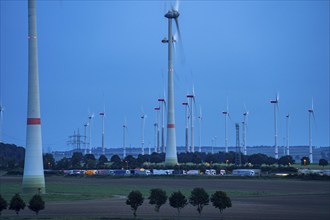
(293, 199)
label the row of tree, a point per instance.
(12, 157)
(17, 204)
(198, 197)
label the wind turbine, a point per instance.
(245, 114)
(191, 99)
(85, 137)
(287, 134)
(311, 114)
(90, 118)
(33, 175)
(200, 129)
(186, 106)
(226, 113)
(171, 152)
(275, 102)
(143, 118)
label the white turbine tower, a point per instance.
(287, 135)
(171, 151)
(226, 114)
(102, 115)
(245, 114)
(124, 139)
(186, 106)
(33, 176)
(162, 108)
(90, 119)
(143, 118)
(200, 129)
(2, 109)
(157, 150)
(191, 100)
(85, 137)
(275, 102)
(311, 114)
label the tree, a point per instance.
(199, 198)
(36, 204)
(135, 199)
(101, 162)
(220, 200)
(115, 159)
(323, 162)
(16, 203)
(76, 160)
(305, 161)
(178, 201)
(257, 159)
(285, 160)
(158, 198)
(3, 204)
(49, 161)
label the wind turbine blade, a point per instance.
(177, 5)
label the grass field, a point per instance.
(104, 198)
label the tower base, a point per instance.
(33, 185)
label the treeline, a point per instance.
(12, 157)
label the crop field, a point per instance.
(104, 198)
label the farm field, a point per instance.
(104, 198)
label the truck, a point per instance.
(244, 172)
(121, 172)
(161, 172)
(142, 172)
(211, 172)
(193, 172)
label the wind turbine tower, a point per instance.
(191, 99)
(90, 118)
(143, 118)
(124, 139)
(171, 152)
(287, 135)
(275, 102)
(157, 130)
(245, 114)
(33, 176)
(200, 129)
(85, 137)
(226, 114)
(186, 106)
(102, 114)
(311, 114)
(163, 106)
(2, 109)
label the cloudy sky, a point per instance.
(109, 53)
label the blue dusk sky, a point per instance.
(109, 53)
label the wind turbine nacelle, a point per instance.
(184, 103)
(161, 100)
(164, 40)
(273, 101)
(172, 14)
(157, 108)
(310, 110)
(225, 113)
(190, 96)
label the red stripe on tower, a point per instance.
(33, 121)
(170, 125)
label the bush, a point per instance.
(17, 203)
(36, 204)
(3, 204)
